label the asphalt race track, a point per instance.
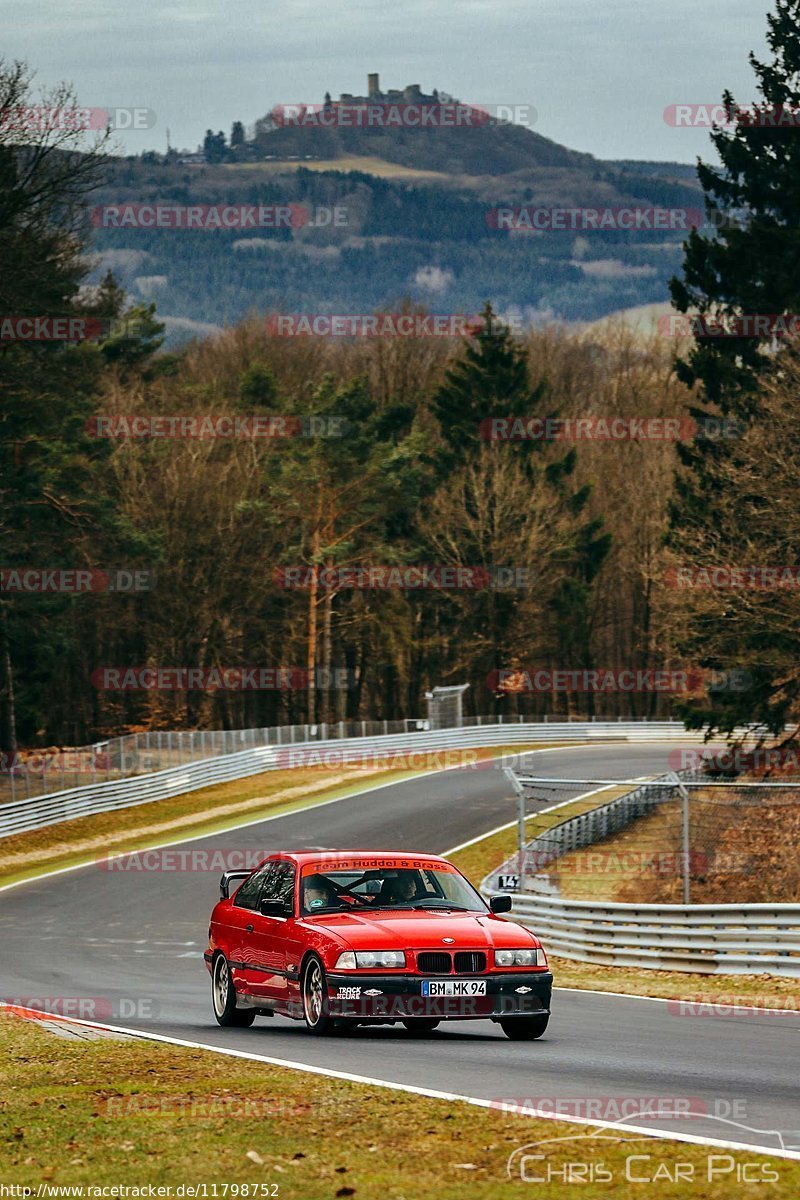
(136, 939)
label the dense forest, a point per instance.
(248, 503)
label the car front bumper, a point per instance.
(400, 997)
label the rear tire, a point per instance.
(315, 999)
(421, 1024)
(223, 997)
(525, 1029)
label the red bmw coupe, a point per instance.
(366, 938)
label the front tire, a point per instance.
(315, 999)
(223, 997)
(525, 1029)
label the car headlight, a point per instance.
(519, 958)
(348, 961)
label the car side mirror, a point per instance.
(270, 907)
(500, 904)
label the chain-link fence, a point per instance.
(40, 772)
(54, 769)
(673, 840)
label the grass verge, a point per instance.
(762, 991)
(133, 1113)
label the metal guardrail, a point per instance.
(727, 939)
(21, 816)
(45, 771)
(702, 938)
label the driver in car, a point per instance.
(399, 888)
(319, 892)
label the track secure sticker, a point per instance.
(348, 993)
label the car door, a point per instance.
(242, 953)
(269, 936)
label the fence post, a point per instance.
(685, 849)
(510, 775)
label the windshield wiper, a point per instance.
(448, 904)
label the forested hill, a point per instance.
(415, 221)
(495, 148)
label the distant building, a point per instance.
(411, 94)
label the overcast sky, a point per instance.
(599, 72)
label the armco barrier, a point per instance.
(726, 939)
(21, 816)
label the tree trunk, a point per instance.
(9, 733)
(311, 660)
(327, 650)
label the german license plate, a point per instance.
(454, 987)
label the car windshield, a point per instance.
(388, 888)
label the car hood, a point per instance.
(418, 930)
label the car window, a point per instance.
(279, 883)
(248, 894)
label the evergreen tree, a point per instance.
(214, 147)
(750, 265)
(490, 381)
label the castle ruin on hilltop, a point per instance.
(411, 94)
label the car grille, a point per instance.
(434, 963)
(437, 962)
(468, 962)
